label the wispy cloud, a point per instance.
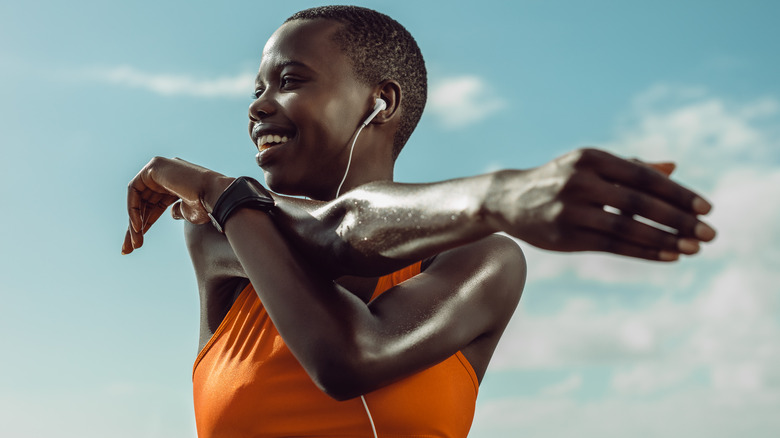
(461, 101)
(165, 84)
(692, 413)
(702, 351)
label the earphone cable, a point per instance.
(373, 428)
(349, 161)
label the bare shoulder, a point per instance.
(494, 267)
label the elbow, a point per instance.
(342, 372)
(340, 378)
(338, 383)
(511, 271)
(517, 270)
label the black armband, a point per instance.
(243, 192)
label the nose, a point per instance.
(262, 107)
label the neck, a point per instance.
(364, 177)
(369, 163)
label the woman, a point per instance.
(375, 312)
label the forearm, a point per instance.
(348, 347)
(319, 321)
(382, 226)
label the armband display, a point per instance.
(243, 192)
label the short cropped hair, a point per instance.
(380, 49)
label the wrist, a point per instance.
(493, 206)
(214, 188)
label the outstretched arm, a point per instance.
(558, 206)
(383, 225)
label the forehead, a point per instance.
(308, 42)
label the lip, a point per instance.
(262, 129)
(267, 155)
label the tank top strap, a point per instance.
(397, 277)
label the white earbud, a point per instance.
(380, 105)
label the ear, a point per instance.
(389, 91)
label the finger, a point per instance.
(127, 245)
(595, 241)
(150, 203)
(154, 211)
(644, 179)
(136, 237)
(176, 211)
(634, 202)
(134, 205)
(621, 226)
(627, 228)
(666, 167)
(141, 202)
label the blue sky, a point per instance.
(96, 344)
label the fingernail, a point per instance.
(704, 232)
(688, 246)
(666, 167)
(668, 256)
(701, 206)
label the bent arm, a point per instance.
(350, 348)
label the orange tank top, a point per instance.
(246, 383)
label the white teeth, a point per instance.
(269, 138)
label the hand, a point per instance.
(163, 182)
(560, 206)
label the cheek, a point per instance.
(326, 124)
(338, 119)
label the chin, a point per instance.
(282, 185)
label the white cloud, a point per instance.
(461, 101)
(704, 134)
(702, 353)
(747, 212)
(696, 413)
(177, 84)
(582, 333)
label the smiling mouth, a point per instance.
(270, 140)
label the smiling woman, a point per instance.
(377, 311)
(305, 72)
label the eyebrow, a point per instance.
(284, 64)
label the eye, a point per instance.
(289, 82)
(257, 93)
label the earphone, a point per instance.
(379, 105)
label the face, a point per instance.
(308, 106)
